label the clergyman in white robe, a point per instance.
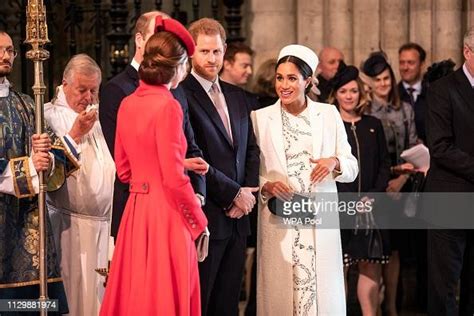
(80, 212)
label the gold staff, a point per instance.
(37, 37)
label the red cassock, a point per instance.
(154, 270)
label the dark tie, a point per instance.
(411, 91)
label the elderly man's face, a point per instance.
(329, 61)
(81, 91)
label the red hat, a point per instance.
(173, 26)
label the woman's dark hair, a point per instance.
(374, 66)
(303, 68)
(264, 80)
(439, 70)
(164, 52)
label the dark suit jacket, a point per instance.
(233, 164)
(419, 108)
(450, 130)
(324, 88)
(111, 95)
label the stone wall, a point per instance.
(358, 27)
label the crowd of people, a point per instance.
(185, 157)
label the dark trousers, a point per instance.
(450, 258)
(221, 276)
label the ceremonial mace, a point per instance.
(37, 37)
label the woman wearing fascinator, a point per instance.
(398, 121)
(304, 151)
(367, 248)
(154, 269)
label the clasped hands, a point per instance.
(322, 168)
(243, 203)
(41, 146)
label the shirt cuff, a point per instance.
(201, 199)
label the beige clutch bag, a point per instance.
(202, 245)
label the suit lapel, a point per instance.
(275, 121)
(317, 130)
(133, 74)
(464, 87)
(203, 100)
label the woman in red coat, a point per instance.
(154, 269)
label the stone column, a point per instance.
(393, 28)
(310, 24)
(447, 30)
(366, 26)
(273, 26)
(339, 30)
(420, 25)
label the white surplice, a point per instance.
(80, 212)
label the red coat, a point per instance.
(154, 269)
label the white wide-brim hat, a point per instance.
(302, 52)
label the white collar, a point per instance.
(60, 98)
(206, 84)
(468, 75)
(135, 64)
(4, 88)
(416, 87)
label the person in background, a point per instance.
(304, 149)
(367, 139)
(154, 269)
(398, 121)
(23, 154)
(329, 60)
(438, 70)
(237, 68)
(80, 211)
(264, 83)
(412, 88)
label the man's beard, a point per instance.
(4, 73)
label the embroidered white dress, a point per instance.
(299, 268)
(80, 212)
(298, 148)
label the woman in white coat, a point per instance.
(304, 149)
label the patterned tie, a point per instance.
(411, 91)
(219, 103)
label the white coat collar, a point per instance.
(275, 121)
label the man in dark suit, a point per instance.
(223, 130)
(449, 121)
(412, 89)
(124, 84)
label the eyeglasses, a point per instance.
(11, 51)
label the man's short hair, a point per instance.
(82, 64)
(234, 48)
(415, 46)
(469, 38)
(207, 26)
(141, 26)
